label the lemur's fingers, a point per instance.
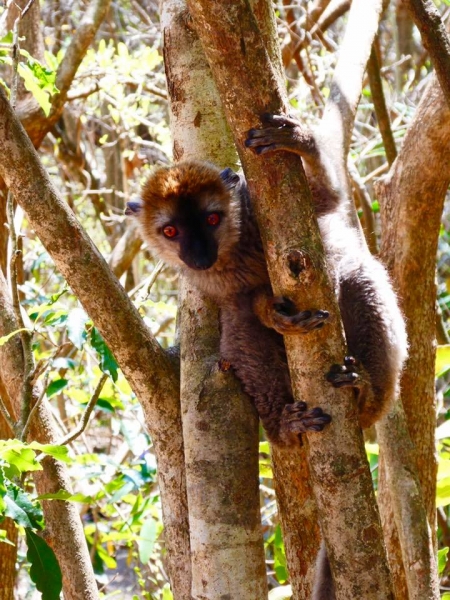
(279, 120)
(350, 374)
(296, 419)
(286, 319)
(281, 133)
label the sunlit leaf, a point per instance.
(5, 338)
(147, 538)
(59, 452)
(76, 327)
(442, 359)
(442, 559)
(19, 456)
(4, 537)
(44, 570)
(443, 492)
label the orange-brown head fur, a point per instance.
(183, 195)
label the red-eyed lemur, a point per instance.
(201, 221)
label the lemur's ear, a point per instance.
(133, 208)
(230, 178)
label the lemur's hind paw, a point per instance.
(287, 320)
(350, 374)
(297, 419)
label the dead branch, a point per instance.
(142, 360)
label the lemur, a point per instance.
(200, 220)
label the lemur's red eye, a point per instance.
(170, 231)
(213, 219)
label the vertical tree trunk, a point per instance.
(412, 198)
(220, 427)
(249, 86)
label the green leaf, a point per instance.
(55, 387)
(68, 497)
(107, 361)
(21, 509)
(166, 593)
(8, 38)
(443, 492)
(283, 592)
(5, 338)
(265, 468)
(442, 559)
(4, 537)
(44, 569)
(442, 359)
(41, 96)
(108, 560)
(19, 456)
(147, 538)
(59, 452)
(76, 323)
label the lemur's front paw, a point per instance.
(287, 320)
(297, 419)
(350, 374)
(280, 133)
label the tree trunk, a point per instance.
(249, 86)
(220, 427)
(411, 199)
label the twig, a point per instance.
(364, 200)
(376, 87)
(147, 283)
(434, 37)
(23, 433)
(7, 416)
(84, 420)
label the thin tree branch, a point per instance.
(84, 420)
(434, 37)
(379, 102)
(23, 434)
(331, 14)
(77, 49)
(7, 416)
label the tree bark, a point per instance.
(411, 199)
(249, 86)
(143, 362)
(220, 427)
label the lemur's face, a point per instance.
(188, 216)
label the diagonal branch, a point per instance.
(434, 37)
(143, 362)
(29, 113)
